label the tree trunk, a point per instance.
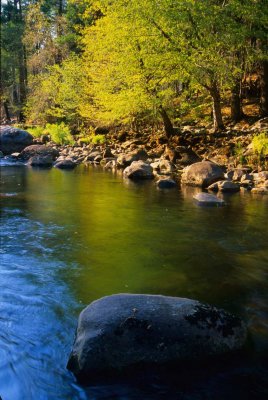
(236, 103)
(22, 84)
(60, 8)
(5, 105)
(264, 89)
(217, 114)
(167, 122)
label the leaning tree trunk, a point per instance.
(217, 114)
(264, 89)
(236, 102)
(167, 122)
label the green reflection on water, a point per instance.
(118, 236)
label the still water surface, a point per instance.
(70, 237)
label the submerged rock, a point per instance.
(124, 330)
(202, 174)
(206, 199)
(13, 140)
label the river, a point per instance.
(70, 237)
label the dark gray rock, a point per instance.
(139, 170)
(124, 330)
(206, 199)
(225, 186)
(41, 161)
(39, 150)
(202, 174)
(14, 140)
(65, 164)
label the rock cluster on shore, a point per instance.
(190, 158)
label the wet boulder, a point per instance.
(41, 161)
(65, 164)
(139, 170)
(14, 140)
(125, 330)
(39, 150)
(202, 174)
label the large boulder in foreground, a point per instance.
(39, 150)
(202, 174)
(124, 330)
(139, 170)
(13, 140)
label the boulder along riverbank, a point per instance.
(222, 162)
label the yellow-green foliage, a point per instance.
(55, 95)
(59, 133)
(93, 139)
(36, 131)
(260, 144)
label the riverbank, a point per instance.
(241, 152)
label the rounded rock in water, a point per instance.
(125, 330)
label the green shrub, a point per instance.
(93, 139)
(260, 144)
(36, 131)
(59, 133)
(98, 139)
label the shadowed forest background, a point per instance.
(88, 63)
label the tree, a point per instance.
(13, 57)
(147, 46)
(128, 73)
(56, 93)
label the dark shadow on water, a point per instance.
(231, 378)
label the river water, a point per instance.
(70, 237)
